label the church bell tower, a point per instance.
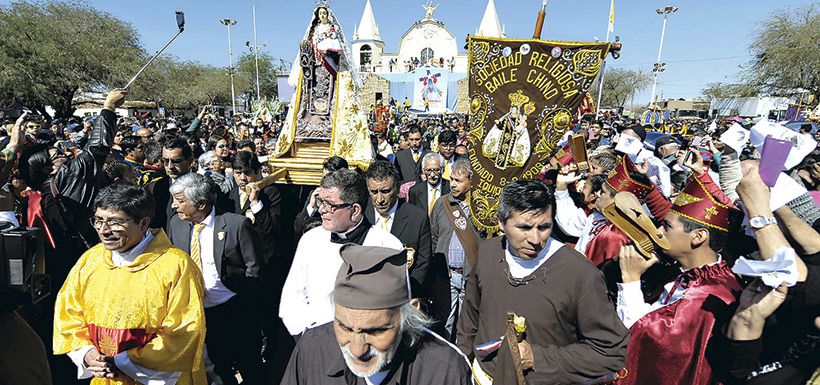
(367, 44)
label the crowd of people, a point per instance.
(172, 261)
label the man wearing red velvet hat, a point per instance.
(601, 240)
(670, 338)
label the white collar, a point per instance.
(210, 219)
(344, 234)
(129, 256)
(520, 267)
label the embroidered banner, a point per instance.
(523, 96)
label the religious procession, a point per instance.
(463, 201)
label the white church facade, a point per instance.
(428, 69)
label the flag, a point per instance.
(611, 26)
(523, 97)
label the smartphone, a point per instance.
(775, 153)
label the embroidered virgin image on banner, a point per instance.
(523, 96)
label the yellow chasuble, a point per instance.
(151, 308)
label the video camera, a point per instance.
(22, 264)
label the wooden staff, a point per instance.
(269, 180)
(540, 22)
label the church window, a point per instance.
(365, 55)
(426, 55)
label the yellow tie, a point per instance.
(433, 198)
(243, 198)
(415, 157)
(446, 173)
(196, 251)
(383, 223)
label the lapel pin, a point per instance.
(221, 235)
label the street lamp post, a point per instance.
(255, 49)
(660, 67)
(229, 23)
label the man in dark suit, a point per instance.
(267, 208)
(411, 226)
(426, 194)
(177, 158)
(226, 247)
(408, 161)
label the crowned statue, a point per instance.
(508, 141)
(320, 60)
(325, 110)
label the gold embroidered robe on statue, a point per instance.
(151, 308)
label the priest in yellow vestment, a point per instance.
(131, 309)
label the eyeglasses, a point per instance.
(222, 146)
(115, 224)
(174, 161)
(332, 206)
(33, 126)
(432, 170)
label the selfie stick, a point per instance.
(181, 25)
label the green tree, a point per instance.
(245, 79)
(785, 53)
(723, 90)
(49, 50)
(620, 85)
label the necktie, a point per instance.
(196, 251)
(383, 223)
(415, 157)
(433, 198)
(446, 173)
(243, 198)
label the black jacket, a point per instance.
(409, 169)
(417, 194)
(236, 251)
(68, 199)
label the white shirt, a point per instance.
(123, 362)
(215, 292)
(391, 214)
(593, 220)
(570, 218)
(521, 267)
(307, 294)
(631, 307)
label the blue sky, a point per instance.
(706, 40)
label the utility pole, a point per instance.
(659, 66)
(256, 54)
(229, 23)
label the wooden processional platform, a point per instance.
(302, 164)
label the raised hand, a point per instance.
(633, 264)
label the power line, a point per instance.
(687, 60)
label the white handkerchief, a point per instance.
(629, 145)
(780, 268)
(735, 137)
(784, 191)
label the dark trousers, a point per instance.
(233, 341)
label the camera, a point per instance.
(22, 264)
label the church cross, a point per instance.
(710, 211)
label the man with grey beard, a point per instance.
(378, 335)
